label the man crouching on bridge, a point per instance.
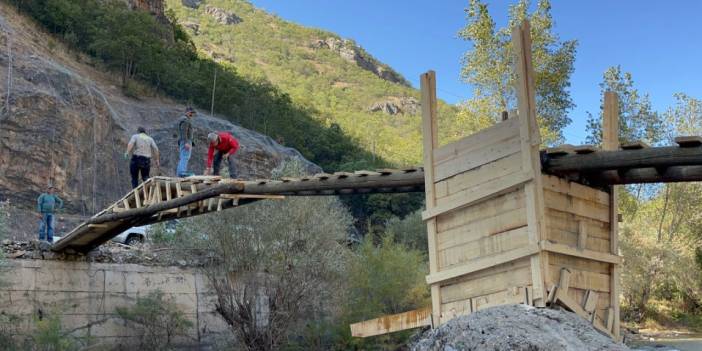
(222, 146)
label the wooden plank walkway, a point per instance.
(163, 198)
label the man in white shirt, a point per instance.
(142, 147)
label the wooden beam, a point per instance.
(373, 183)
(656, 157)
(610, 141)
(646, 175)
(530, 137)
(587, 254)
(483, 263)
(430, 142)
(688, 141)
(392, 323)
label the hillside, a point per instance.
(68, 124)
(329, 75)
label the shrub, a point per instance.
(158, 321)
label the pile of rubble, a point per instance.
(110, 252)
(516, 327)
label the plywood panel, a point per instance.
(583, 279)
(499, 131)
(565, 187)
(490, 152)
(509, 296)
(575, 205)
(559, 220)
(571, 239)
(457, 308)
(480, 175)
(576, 263)
(480, 228)
(489, 281)
(489, 208)
(483, 247)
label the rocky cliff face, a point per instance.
(64, 122)
(348, 50)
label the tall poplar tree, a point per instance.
(488, 65)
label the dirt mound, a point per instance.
(516, 327)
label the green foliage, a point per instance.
(637, 120)
(488, 65)
(50, 336)
(158, 320)
(384, 279)
(410, 231)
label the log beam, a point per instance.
(655, 157)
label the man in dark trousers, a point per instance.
(142, 148)
(222, 146)
(47, 204)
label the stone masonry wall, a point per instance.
(86, 293)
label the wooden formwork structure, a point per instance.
(501, 231)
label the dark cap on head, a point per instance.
(141, 130)
(189, 110)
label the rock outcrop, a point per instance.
(67, 124)
(396, 105)
(349, 51)
(222, 16)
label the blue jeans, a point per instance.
(184, 157)
(46, 227)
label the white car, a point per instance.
(132, 236)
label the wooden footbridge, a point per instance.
(506, 221)
(163, 198)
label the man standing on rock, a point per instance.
(222, 146)
(142, 147)
(185, 142)
(47, 204)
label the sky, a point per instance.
(657, 41)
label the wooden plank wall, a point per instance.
(578, 217)
(479, 239)
(502, 232)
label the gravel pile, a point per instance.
(516, 328)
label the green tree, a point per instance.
(384, 279)
(637, 120)
(127, 39)
(488, 65)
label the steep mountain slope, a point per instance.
(68, 124)
(333, 76)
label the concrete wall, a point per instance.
(85, 293)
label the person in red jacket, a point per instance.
(222, 146)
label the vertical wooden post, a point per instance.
(610, 141)
(531, 141)
(431, 142)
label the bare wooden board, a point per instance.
(392, 323)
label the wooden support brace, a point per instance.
(564, 281)
(582, 235)
(590, 302)
(137, 200)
